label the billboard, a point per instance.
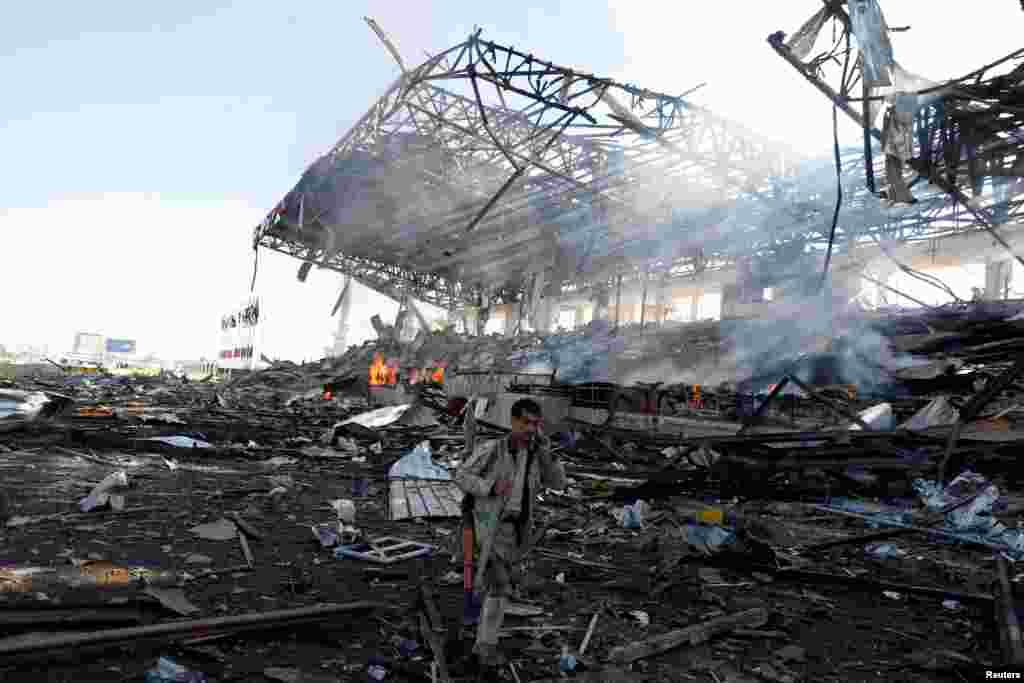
(89, 344)
(120, 346)
(239, 336)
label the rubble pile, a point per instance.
(281, 525)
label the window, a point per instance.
(710, 306)
(567, 318)
(495, 325)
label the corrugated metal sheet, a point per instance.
(412, 499)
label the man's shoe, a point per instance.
(490, 656)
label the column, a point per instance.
(601, 301)
(998, 275)
(344, 313)
(470, 315)
(545, 313)
(581, 315)
(730, 299)
(511, 317)
(482, 316)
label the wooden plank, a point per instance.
(418, 487)
(590, 632)
(394, 504)
(436, 642)
(434, 506)
(398, 506)
(691, 635)
(603, 676)
(444, 497)
(451, 496)
(417, 507)
(245, 548)
(433, 630)
(415, 498)
(1006, 617)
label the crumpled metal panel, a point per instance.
(802, 42)
(18, 408)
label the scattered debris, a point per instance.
(387, 550)
(418, 465)
(173, 599)
(115, 637)
(100, 496)
(692, 635)
(182, 441)
(167, 671)
(681, 537)
(221, 530)
(19, 408)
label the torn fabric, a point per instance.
(802, 42)
(872, 33)
(898, 148)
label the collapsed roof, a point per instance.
(486, 172)
(485, 165)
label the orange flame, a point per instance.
(695, 400)
(381, 372)
(378, 371)
(426, 375)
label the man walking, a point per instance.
(501, 480)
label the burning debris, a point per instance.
(736, 503)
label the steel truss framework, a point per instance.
(485, 165)
(792, 220)
(967, 137)
(476, 169)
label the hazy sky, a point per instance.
(142, 142)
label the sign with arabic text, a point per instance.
(239, 336)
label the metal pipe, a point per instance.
(840, 410)
(897, 292)
(976, 405)
(982, 218)
(781, 50)
(863, 581)
(1006, 617)
(643, 305)
(184, 628)
(761, 409)
(979, 543)
(618, 299)
(936, 517)
(519, 172)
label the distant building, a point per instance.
(89, 346)
(26, 354)
(196, 369)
